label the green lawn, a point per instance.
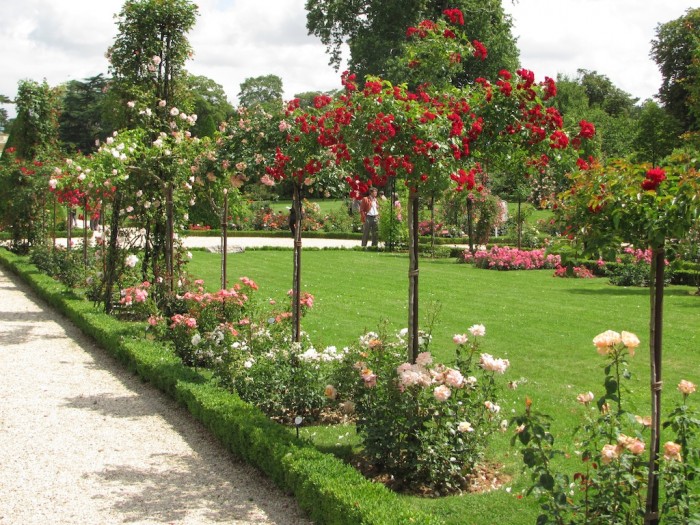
(543, 324)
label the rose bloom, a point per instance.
(492, 407)
(465, 426)
(477, 330)
(686, 387)
(131, 260)
(442, 393)
(585, 398)
(609, 453)
(459, 339)
(454, 378)
(672, 451)
(606, 340)
(645, 421)
(634, 445)
(330, 392)
(488, 362)
(424, 359)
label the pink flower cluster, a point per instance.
(232, 294)
(494, 364)
(579, 272)
(183, 320)
(639, 255)
(443, 378)
(135, 294)
(506, 258)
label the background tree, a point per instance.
(32, 144)
(265, 91)
(658, 133)
(208, 101)
(148, 56)
(147, 61)
(375, 32)
(675, 50)
(81, 121)
(4, 121)
(593, 97)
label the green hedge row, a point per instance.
(330, 491)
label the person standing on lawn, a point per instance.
(369, 213)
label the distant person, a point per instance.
(369, 214)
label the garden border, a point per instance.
(327, 489)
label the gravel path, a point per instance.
(84, 442)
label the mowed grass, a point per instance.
(542, 324)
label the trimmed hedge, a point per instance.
(330, 491)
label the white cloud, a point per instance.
(612, 37)
(237, 39)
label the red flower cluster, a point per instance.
(455, 16)
(480, 50)
(653, 178)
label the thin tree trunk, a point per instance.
(53, 229)
(656, 293)
(470, 224)
(296, 278)
(520, 225)
(224, 241)
(69, 228)
(111, 274)
(85, 235)
(432, 226)
(413, 346)
(169, 238)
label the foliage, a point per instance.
(637, 204)
(658, 133)
(84, 107)
(264, 91)
(208, 101)
(610, 486)
(675, 50)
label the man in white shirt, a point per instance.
(369, 213)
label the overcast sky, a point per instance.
(236, 39)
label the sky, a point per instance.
(238, 39)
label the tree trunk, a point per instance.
(169, 238)
(85, 235)
(224, 242)
(69, 229)
(656, 294)
(432, 226)
(520, 225)
(296, 278)
(112, 265)
(470, 224)
(413, 346)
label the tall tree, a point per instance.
(676, 50)
(81, 121)
(265, 91)
(148, 56)
(375, 32)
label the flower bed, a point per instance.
(506, 258)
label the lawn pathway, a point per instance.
(84, 441)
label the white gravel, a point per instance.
(82, 441)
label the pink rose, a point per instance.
(442, 393)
